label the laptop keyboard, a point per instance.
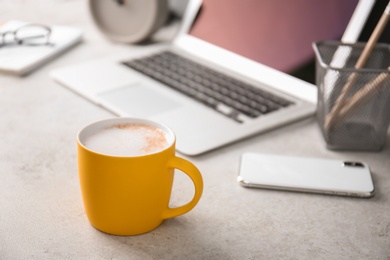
(228, 96)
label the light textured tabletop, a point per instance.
(41, 212)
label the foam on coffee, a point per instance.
(131, 139)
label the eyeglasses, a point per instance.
(28, 35)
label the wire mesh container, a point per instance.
(353, 106)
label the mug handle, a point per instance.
(193, 172)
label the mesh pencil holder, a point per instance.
(353, 106)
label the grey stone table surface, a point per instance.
(41, 212)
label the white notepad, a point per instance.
(22, 59)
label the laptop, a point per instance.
(225, 76)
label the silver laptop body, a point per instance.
(198, 127)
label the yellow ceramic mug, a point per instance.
(129, 195)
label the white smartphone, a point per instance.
(325, 176)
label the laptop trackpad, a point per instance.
(136, 99)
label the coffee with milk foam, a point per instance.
(130, 139)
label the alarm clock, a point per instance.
(128, 21)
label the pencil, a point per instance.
(340, 101)
(363, 95)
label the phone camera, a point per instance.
(353, 164)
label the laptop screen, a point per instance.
(278, 34)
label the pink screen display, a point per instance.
(276, 33)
